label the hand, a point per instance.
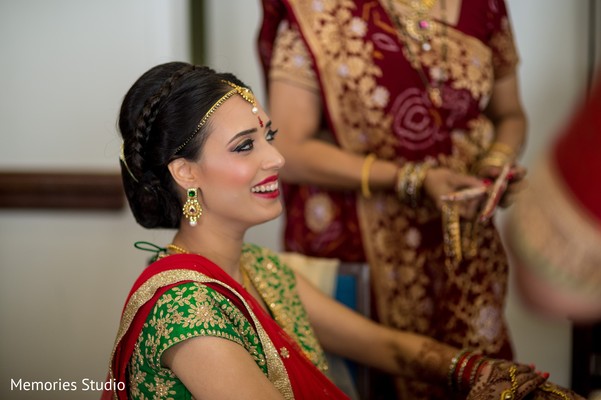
(515, 184)
(443, 181)
(505, 380)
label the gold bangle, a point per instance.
(369, 160)
(498, 147)
(402, 180)
(451, 228)
(496, 160)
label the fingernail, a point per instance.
(486, 182)
(510, 176)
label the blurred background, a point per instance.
(65, 66)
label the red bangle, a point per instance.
(465, 378)
(459, 368)
(476, 370)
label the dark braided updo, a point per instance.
(159, 112)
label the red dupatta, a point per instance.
(292, 373)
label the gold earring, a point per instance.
(192, 208)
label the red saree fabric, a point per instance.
(576, 154)
(306, 380)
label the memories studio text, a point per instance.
(84, 385)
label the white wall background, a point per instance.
(65, 66)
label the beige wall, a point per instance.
(65, 66)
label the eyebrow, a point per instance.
(247, 132)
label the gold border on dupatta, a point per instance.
(275, 366)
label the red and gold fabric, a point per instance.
(374, 101)
(185, 295)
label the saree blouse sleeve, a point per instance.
(504, 52)
(291, 60)
(186, 311)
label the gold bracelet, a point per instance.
(402, 180)
(416, 180)
(451, 229)
(498, 147)
(369, 160)
(410, 181)
(495, 160)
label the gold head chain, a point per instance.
(244, 92)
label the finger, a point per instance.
(528, 382)
(464, 194)
(489, 172)
(460, 181)
(468, 209)
(527, 379)
(518, 172)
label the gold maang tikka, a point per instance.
(244, 92)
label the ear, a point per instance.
(184, 173)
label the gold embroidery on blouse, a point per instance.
(277, 288)
(276, 371)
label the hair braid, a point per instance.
(145, 122)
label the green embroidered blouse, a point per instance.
(193, 309)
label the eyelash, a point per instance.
(248, 144)
(271, 135)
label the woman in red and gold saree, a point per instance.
(407, 81)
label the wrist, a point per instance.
(464, 370)
(497, 156)
(365, 170)
(410, 180)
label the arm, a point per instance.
(297, 111)
(216, 368)
(507, 114)
(346, 333)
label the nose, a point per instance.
(273, 159)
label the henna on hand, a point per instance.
(505, 380)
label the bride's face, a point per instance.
(239, 166)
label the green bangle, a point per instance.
(453, 367)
